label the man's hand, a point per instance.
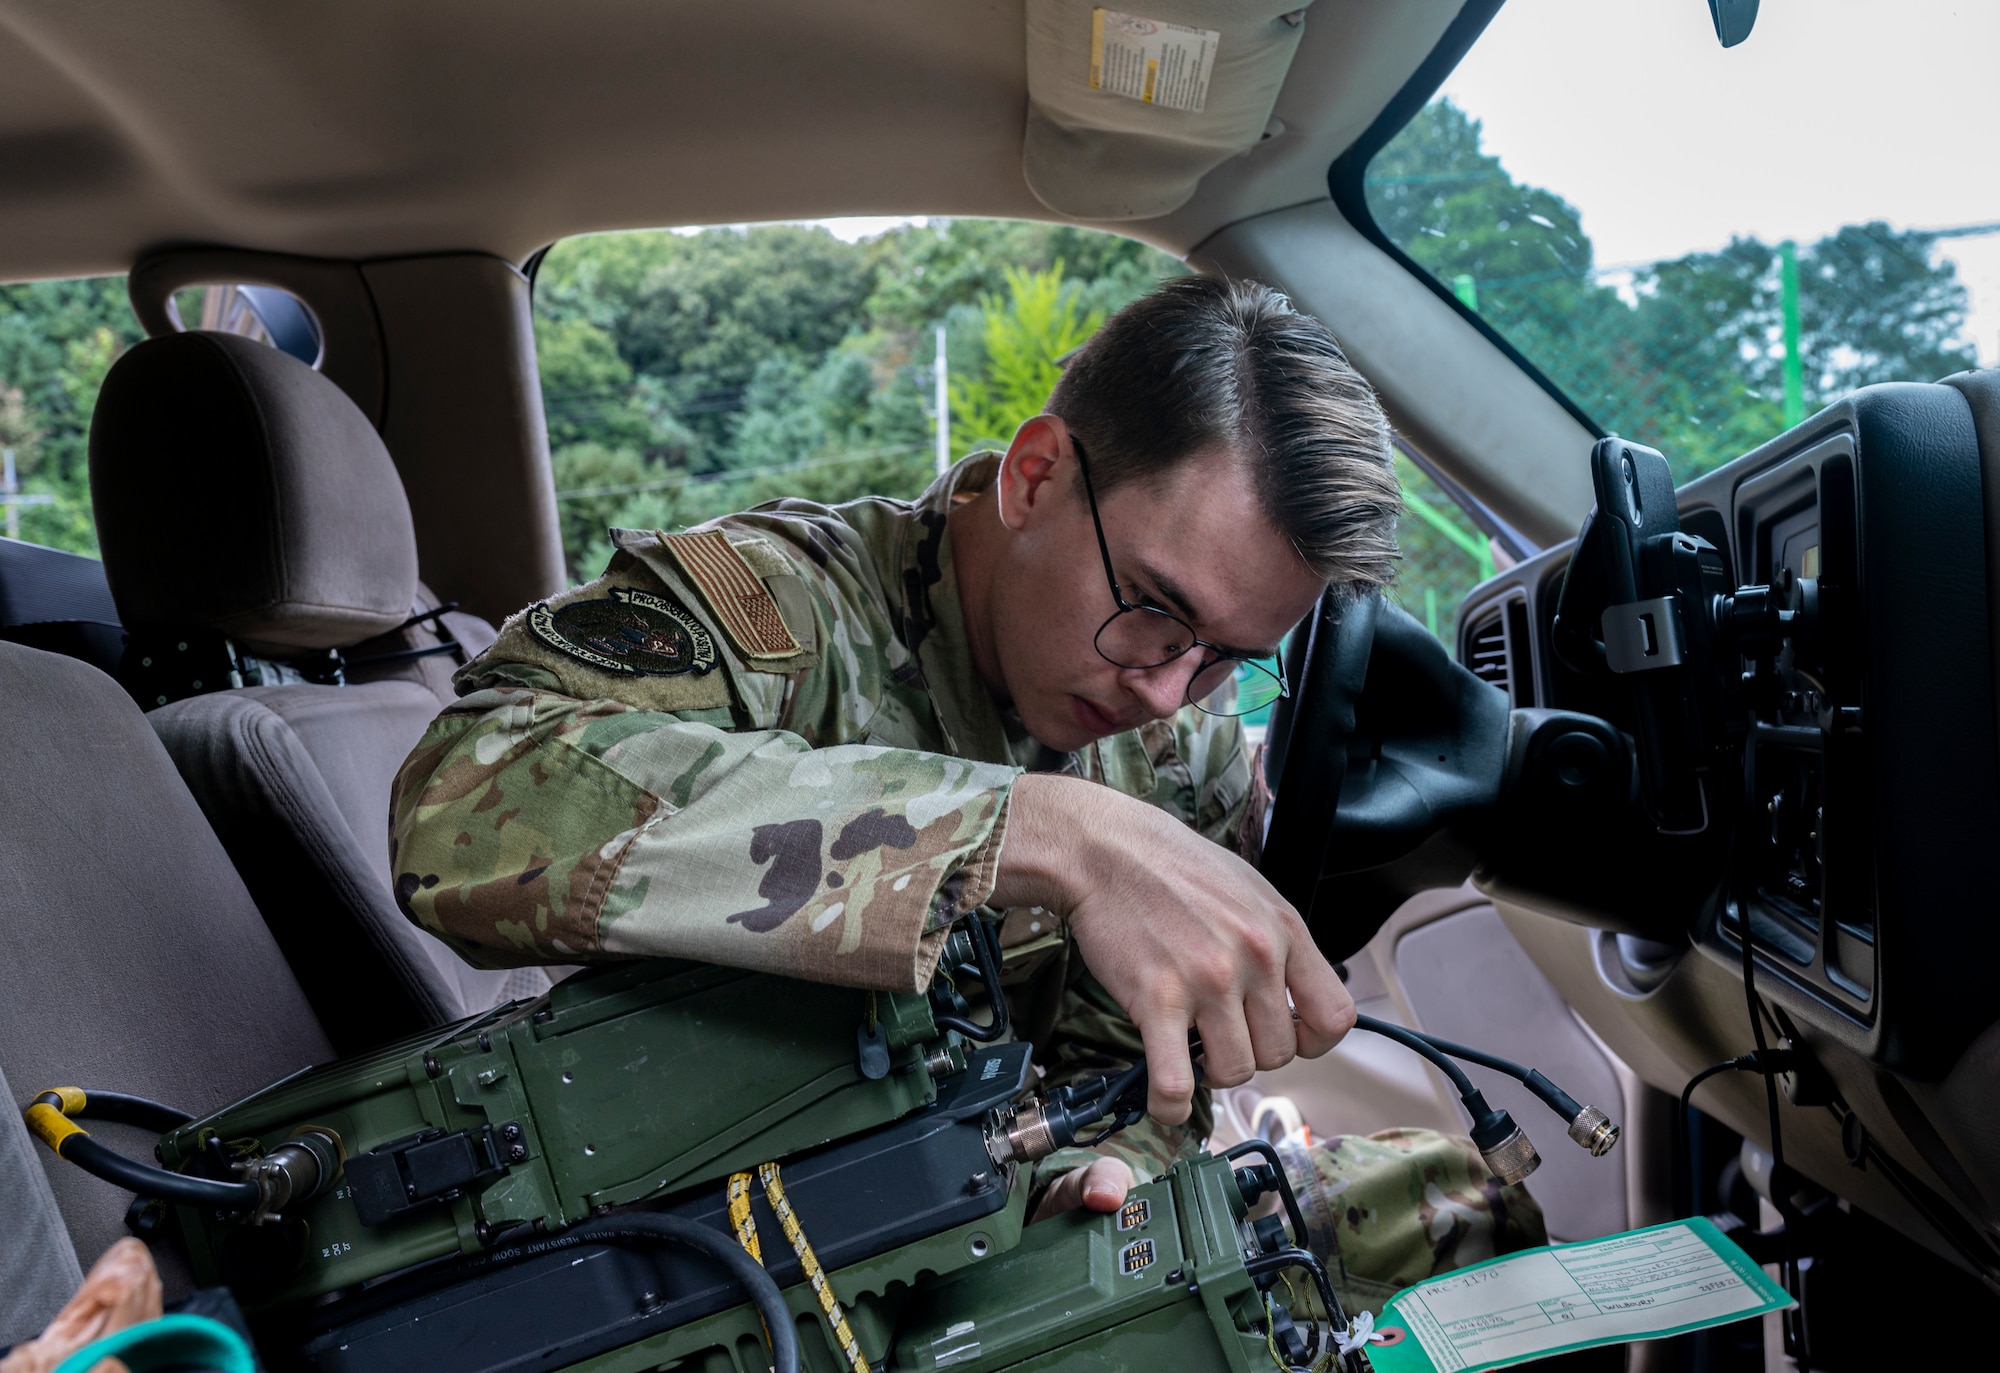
(1179, 930)
(1101, 1187)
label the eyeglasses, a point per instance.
(1143, 637)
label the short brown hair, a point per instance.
(1203, 363)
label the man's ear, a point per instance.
(1031, 472)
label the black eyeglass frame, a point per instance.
(1125, 607)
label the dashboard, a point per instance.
(1851, 824)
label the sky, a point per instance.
(1832, 112)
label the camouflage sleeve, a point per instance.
(530, 826)
(1091, 1036)
(1201, 772)
(1218, 765)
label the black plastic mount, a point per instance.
(430, 1166)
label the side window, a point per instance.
(1671, 278)
(263, 313)
(1446, 552)
(58, 339)
(688, 374)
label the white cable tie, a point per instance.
(1359, 1331)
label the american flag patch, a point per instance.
(735, 593)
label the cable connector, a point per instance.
(1510, 1155)
(1594, 1130)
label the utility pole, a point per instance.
(11, 497)
(943, 408)
(1795, 368)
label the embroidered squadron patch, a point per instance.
(631, 632)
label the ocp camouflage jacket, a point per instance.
(763, 744)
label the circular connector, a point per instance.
(298, 1170)
(1021, 1136)
(1594, 1130)
(1513, 1158)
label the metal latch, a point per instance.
(1642, 635)
(430, 1166)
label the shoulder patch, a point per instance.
(631, 633)
(628, 636)
(733, 591)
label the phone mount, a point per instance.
(1646, 602)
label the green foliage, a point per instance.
(923, 270)
(1444, 556)
(595, 486)
(57, 340)
(1690, 357)
(1024, 335)
(732, 366)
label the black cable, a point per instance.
(1780, 1193)
(402, 655)
(648, 1228)
(148, 1181)
(77, 1147)
(1552, 1096)
(986, 956)
(1410, 1039)
(1302, 1257)
(1687, 1187)
(1284, 1183)
(125, 1109)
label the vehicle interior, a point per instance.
(338, 481)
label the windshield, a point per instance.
(1702, 246)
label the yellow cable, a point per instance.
(836, 1320)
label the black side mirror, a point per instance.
(1733, 19)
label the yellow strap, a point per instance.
(740, 1217)
(51, 1126)
(829, 1305)
(745, 1225)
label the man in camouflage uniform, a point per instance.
(808, 740)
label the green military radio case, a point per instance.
(445, 1235)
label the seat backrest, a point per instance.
(135, 960)
(242, 499)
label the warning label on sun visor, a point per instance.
(1160, 64)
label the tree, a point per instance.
(1023, 336)
(57, 340)
(1691, 358)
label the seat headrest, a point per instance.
(238, 490)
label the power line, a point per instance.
(1964, 230)
(704, 478)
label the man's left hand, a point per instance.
(1101, 1187)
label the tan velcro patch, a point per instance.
(742, 604)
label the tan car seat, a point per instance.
(251, 519)
(135, 962)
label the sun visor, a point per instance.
(1129, 108)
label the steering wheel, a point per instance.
(1306, 762)
(1359, 827)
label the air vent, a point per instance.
(1486, 650)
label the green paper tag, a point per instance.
(1641, 1285)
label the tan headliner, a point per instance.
(380, 127)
